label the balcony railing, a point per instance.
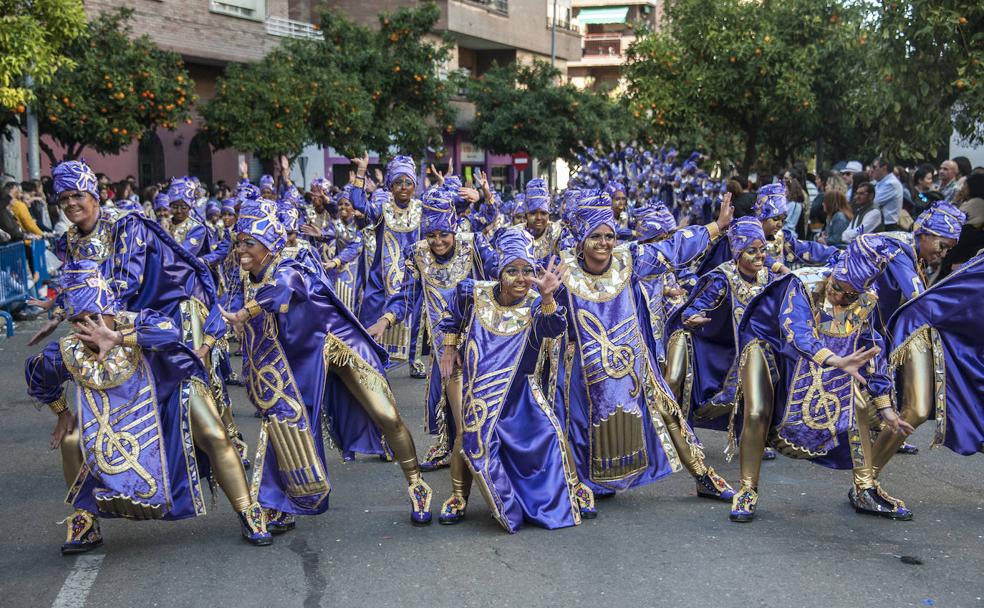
(289, 28)
(564, 24)
(604, 44)
(498, 6)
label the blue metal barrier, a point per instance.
(14, 279)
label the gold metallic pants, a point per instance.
(209, 436)
(676, 366)
(759, 398)
(917, 400)
(757, 417)
(381, 409)
(691, 458)
(461, 476)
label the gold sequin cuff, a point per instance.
(391, 318)
(253, 309)
(821, 355)
(548, 308)
(208, 341)
(129, 338)
(451, 339)
(882, 402)
(714, 230)
(359, 182)
(776, 267)
(59, 405)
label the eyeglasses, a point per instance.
(850, 296)
(403, 183)
(77, 197)
(513, 272)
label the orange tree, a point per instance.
(117, 90)
(749, 81)
(927, 76)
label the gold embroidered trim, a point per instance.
(59, 405)
(821, 355)
(603, 287)
(498, 319)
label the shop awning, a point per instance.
(606, 14)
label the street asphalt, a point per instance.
(655, 546)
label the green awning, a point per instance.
(607, 14)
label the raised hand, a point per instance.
(44, 305)
(361, 164)
(726, 213)
(437, 175)
(551, 280)
(469, 194)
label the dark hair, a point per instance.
(884, 163)
(963, 165)
(975, 185)
(794, 189)
(864, 184)
(858, 179)
(922, 171)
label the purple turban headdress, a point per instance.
(568, 204)
(213, 206)
(438, 211)
(743, 232)
(266, 183)
(289, 216)
(653, 220)
(85, 290)
(74, 175)
(866, 257)
(537, 196)
(942, 219)
(258, 219)
(321, 182)
(247, 191)
(229, 206)
(594, 210)
(182, 189)
(519, 203)
(398, 167)
(513, 244)
(613, 186)
(770, 201)
(161, 201)
(345, 193)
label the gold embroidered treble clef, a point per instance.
(617, 360)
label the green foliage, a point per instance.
(355, 90)
(33, 35)
(522, 107)
(119, 89)
(927, 76)
(744, 81)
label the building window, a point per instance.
(248, 9)
(150, 160)
(200, 159)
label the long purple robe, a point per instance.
(287, 350)
(139, 460)
(513, 441)
(946, 317)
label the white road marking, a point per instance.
(75, 590)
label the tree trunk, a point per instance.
(751, 144)
(48, 152)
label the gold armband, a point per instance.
(252, 309)
(882, 402)
(59, 405)
(548, 308)
(129, 338)
(822, 355)
(776, 267)
(359, 182)
(451, 339)
(714, 230)
(391, 318)
(208, 341)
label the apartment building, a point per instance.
(609, 27)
